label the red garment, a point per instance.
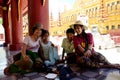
(82, 41)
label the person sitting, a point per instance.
(68, 47)
(86, 55)
(29, 53)
(49, 52)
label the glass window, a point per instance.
(86, 12)
(107, 27)
(119, 26)
(118, 2)
(108, 5)
(111, 7)
(113, 3)
(116, 7)
(96, 8)
(113, 27)
(90, 12)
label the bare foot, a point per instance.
(6, 71)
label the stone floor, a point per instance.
(81, 74)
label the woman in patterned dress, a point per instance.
(86, 55)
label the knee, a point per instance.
(80, 60)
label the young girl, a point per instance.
(86, 55)
(49, 52)
(68, 46)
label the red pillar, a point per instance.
(44, 13)
(16, 18)
(38, 13)
(6, 25)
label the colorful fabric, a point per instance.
(33, 55)
(13, 68)
(20, 66)
(94, 61)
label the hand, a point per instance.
(87, 53)
(26, 58)
(54, 46)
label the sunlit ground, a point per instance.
(113, 55)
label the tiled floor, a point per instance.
(81, 74)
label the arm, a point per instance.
(24, 47)
(90, 41)
(63, 53)
(90, 47)
(41, 53)
(63, 46)
(77, 45)
(80, 48)
(88, 52)
(54, 46)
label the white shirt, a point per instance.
(32, 45)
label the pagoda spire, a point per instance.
(51, 19)
(59, 19)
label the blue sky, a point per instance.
(56, 6)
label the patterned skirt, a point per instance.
(94, 61)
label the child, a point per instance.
(68, 46)
(49, 52)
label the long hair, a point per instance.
(84, 35)
(37, 26)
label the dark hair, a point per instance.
(70, 30)
(44, 32)
(84, 34)
(76, 25)
(37, 26)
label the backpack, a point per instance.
(65, 73)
